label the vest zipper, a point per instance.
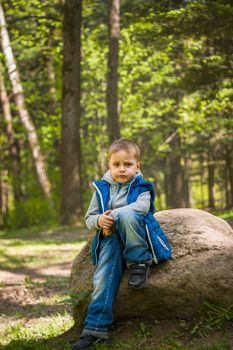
(130, 187)
(163, 243)
(151, 245)
(102, 204)
(101, 198)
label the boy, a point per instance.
(121, 210)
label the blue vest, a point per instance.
(157, 240)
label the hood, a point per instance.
(108, 177)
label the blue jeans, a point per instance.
(126, 244)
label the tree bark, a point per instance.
(112, 79)
(229, 176)
(71, 198)
(14, 147)
(1, 204)
(187, 184)
(167, 183)
(49, 58)
(211, 181)
(4, 192)
(166, 190)
(177, 199)
(23, 112)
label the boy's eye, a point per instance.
(127, 164)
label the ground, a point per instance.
(36, 310)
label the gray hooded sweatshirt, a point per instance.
(117, 203)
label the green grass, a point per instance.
(18, 337)
(44, 232)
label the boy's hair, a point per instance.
(124, 145)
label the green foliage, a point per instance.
(175, 78)
(226, 214)
(33, 211)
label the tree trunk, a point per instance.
(211, 181)
(112, 79)
(229, 177)
(1, 204)
(23, 112)
(14, 146)
(167, 184)
(166, 190)
(4, 191)
(187, 184)
(71, 198)
(49, 58)
(202, 181)
(157, 187)
(177, 176)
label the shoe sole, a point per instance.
(93, 345)
(141, 286)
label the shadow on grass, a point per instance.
(35, 311)
(63, 341)
(58, 235)
(23, 301)
(17, 266)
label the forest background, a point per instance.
(159, 72)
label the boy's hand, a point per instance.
(106, 222)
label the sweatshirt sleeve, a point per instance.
(141, 206)
(93, 214)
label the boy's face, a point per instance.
(123, 166)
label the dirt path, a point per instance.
(32, 278)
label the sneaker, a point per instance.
(88, 341)
(138, 275)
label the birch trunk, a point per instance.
(23, 112)
(14, 148)
(112, 93)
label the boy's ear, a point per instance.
(138, 164)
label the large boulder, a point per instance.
(201, 268)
